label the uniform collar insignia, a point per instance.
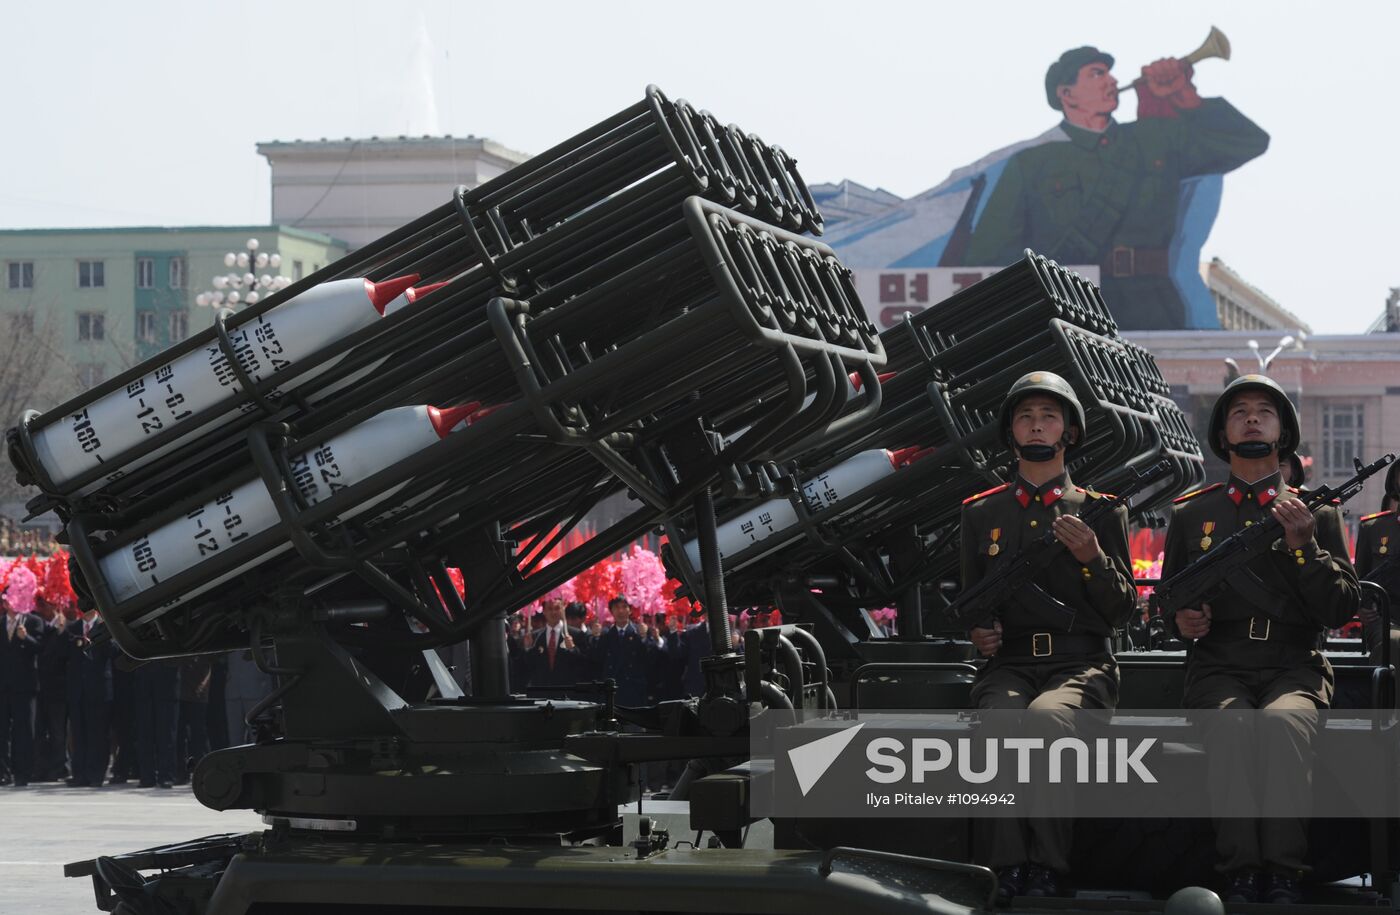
(1261, 491)
(1050, 493)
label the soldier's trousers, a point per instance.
(1243, 759)
(1053, 691)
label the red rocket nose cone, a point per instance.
(385, 291)
(445, 419)
(486, 411)
(417, 292)
(859, 383)
(906, 456)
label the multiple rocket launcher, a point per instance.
(577, 320)
(891, 524)
(580, 322)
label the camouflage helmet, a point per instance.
(1065, 71)
(1043, 383)
(1288, 414)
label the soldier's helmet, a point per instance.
(1392, 480)
(1065, 71)
(1287, 413)
(1043, 383)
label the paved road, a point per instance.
(43, 827)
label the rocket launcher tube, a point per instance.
(248, 510)
(104, 430)
(776, 516)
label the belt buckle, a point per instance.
(1268, 624)
(1035, 645)
(1121, 261)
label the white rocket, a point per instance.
(822, 491)
(110, 426)
(234, 516)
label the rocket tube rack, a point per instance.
(953, 364)
(733, 306)
(535, 226)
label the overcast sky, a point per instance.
(147, 113)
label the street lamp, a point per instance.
(1232, 368)
(236, 288)
(1284, 342)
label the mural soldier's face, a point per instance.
(1096, 92)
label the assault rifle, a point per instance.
(1229, 560)
(1013, 579)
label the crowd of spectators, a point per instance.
(74, 709)
(650, 657)
(77, 711)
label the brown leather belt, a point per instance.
(1125, 260)
(1262, 629)
(1055, 645)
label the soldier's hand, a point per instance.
(1165, 77)
(1194, 624)
(988, 641)
(1078, 537)
(1298, 523)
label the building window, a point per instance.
(91, 325)
(298, 270)
(177, 273)
(90, 275)
(179, 325)
(1343, 438)
(145, 273)
(21, 274)
(146, 326)
(90, 375)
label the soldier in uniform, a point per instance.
(1109, 195)
(1038, 661)
(1241, 659)
(1377, 545)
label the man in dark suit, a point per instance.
(156, 708)
(51, 712)
(89, 701)
(622, 653)
(20, 636)
(555, 656)
(696, 647)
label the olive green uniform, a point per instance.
(1110, 199)
(1248, 661)
(1044, 664)
(1378, 542)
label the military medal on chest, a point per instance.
(995, 547)
(1384, 541)
(1206, 529)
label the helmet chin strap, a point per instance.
(1253, 450)
(1039, 454)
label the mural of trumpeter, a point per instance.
(1109, 193)
(1137, 200)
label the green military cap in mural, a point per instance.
(1065, 71)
